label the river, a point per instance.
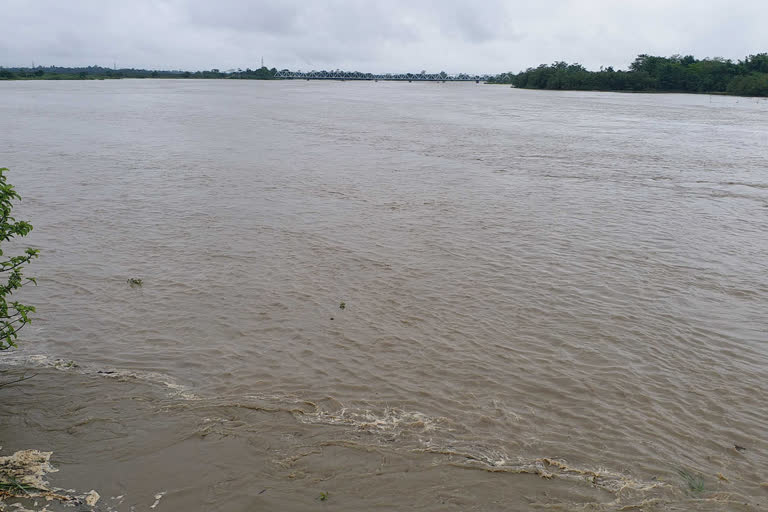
(391, 296)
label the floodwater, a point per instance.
(552, 300)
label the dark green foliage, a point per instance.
(755, 84)
(748, 77)
(13, 315)
(258, 74)
(756, 63)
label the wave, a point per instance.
(26, 361)
(389, 429)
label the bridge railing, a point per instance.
(356, 75)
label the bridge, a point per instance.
(399, 77)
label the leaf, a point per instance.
(14, 315)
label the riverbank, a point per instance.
(624, 91)
(102, 73)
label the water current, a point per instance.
(386, 296)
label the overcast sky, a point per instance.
(480, 36)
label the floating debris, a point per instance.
(64, 364)
(92, 498)
(25, 469)
(22, 475)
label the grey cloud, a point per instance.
(465, 21)
(374, 35)
(263, 17)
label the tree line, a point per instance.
(748, 77)
(102, 73)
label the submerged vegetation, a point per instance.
(648, 73)
(135, 282)
(13, 314)
(693, 482)
(101, 73)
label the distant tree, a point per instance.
(13, 314)
(648, 63)
(750, 85)
(652, 73)
(757, 63)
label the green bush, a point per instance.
(13, 314)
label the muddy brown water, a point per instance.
(552, 300)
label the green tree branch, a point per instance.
(13, 314)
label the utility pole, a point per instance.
(262, 61)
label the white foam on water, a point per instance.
(158, 497)
(45, 361)
(389, 421)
